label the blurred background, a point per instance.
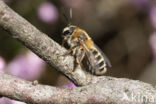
(123, 29)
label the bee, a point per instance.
(85, 51)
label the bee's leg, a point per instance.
(75, 64)
(79, 57)
(63, 41)
(68, 51)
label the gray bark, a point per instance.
(100, 90)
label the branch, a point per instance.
(42, 45)
(110, 91)
(107, 90)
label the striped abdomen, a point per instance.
(95, 62)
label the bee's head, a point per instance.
(68, 30)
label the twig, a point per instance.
(42, 45)
(113, 91)
(107, 90)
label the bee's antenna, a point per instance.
(71, 15)
(68, 18)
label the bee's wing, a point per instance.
(90, 56)
(91, 60)
(105, 57)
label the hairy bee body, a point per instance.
(84, 50)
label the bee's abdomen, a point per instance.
(100, 64)
(97, 64)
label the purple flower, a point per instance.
(2, 64)
(47, 12)
(70, 84)
(27, 66)
(153, 16)
(17, 102)
(5, 100)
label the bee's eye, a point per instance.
(67, 32)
